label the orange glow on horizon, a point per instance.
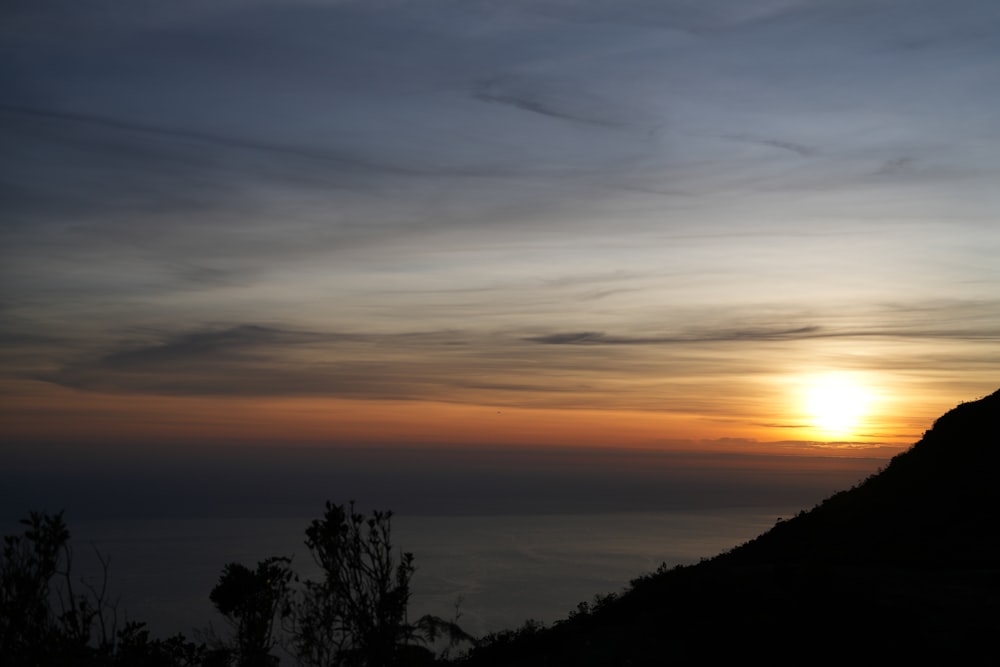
(91, 417)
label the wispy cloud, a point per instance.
(254, 360)
(543, 101)
(896, 165)
(219, 345)
(600, 338)
(226, 141)
(781, 144)
(987, 332)
(473, 365)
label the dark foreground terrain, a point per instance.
(904, 566)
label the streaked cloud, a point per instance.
(791, 146)
(547, 100)
(599, 338)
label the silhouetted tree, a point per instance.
(356, 615)
(45, 619)
(30, 561)
(251, 599)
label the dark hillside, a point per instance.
(905, 566)
(934, 505)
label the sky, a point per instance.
(724, 228)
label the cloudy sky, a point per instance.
(628, 224)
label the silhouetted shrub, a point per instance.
(251, 600)
(356, 615)
(47, 617)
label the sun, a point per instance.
(836, 404)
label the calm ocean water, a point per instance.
(502, 569)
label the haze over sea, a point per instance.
(502, 570)
(511, 534)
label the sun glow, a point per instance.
(836, 404)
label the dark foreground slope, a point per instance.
(904, 566)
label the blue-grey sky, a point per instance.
(621, 223)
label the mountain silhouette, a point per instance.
(904, 566)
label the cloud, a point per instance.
(791, 146)
(734, 335)
(698, 18)
(476, 365)
(751, 335)
(237, 342)
(243, 360)
(233, 142)
(546, 101)
(896, 165)
(458, 366)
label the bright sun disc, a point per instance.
(836, 404)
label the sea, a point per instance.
(490, 572)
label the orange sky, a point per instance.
(771, 423)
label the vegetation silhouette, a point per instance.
(354, 616)
(251, 600)
(46, 619)
(904, 566)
